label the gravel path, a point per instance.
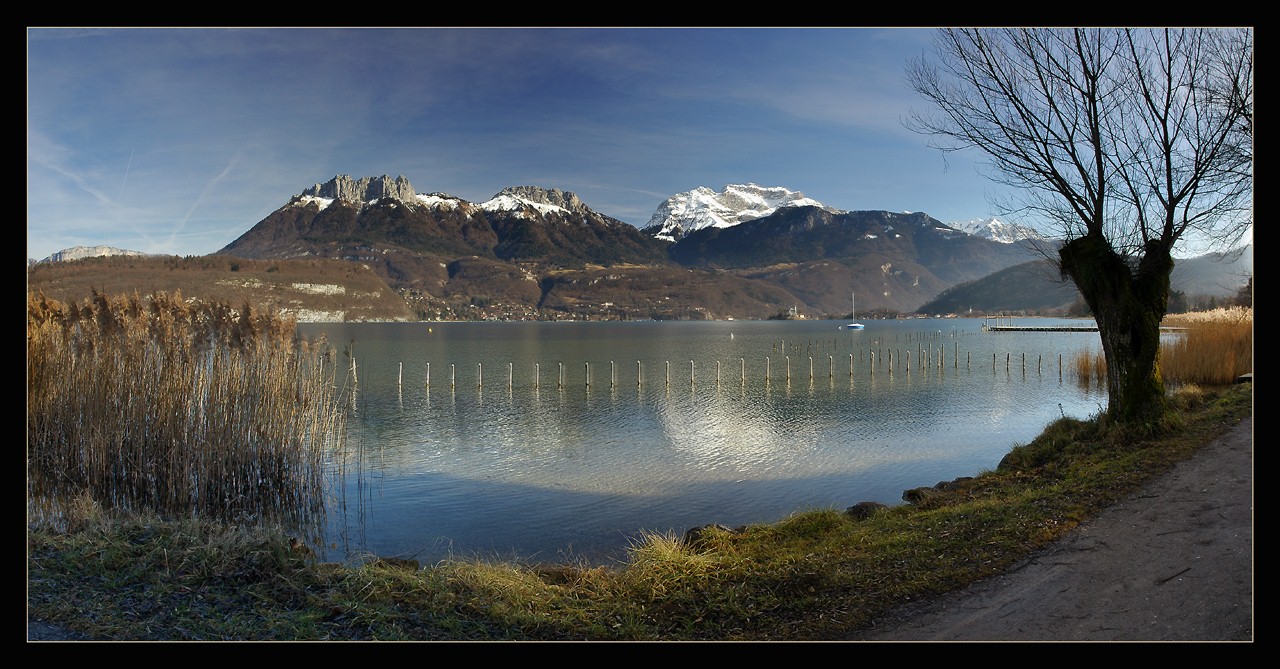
(1173, 562)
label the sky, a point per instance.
(178, 141)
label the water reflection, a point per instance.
(577, 436)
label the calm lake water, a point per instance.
(555, 441)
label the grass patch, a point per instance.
(819, 574)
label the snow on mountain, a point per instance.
(440, 200)
(544, 200)
(506, 202)
(322, 202)
(998, 231)
(702, 207)
(79, 252)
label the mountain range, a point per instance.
(529, 252)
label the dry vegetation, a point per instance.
(1209, 348)
(182, 408)
(312, 289)
(1215, 348)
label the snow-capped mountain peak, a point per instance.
(542, 200)
(702, 207)
(998, 231)
(505, 202)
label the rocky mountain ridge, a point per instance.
(366, 189)
(430, 247)
(80, 252)
(536, 253)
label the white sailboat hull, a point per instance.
(853, 303)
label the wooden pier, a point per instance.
(1040, 328)
(1005, 324)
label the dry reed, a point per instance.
(182, 409)
(1213, 349)
(1090, 369)
(1210, 348)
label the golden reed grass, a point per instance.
(1215, 347)
(178, 408)
(1210, 348)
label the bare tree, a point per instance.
(1127, 142)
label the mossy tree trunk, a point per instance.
(1128, 302)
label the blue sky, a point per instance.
(180, 140)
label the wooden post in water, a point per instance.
(1059, 368)
(788, 359)
(480, 375)
(613, 377)
(511, 375)
(537, 375)
(560, 381)
(717, 373)
(1039, 359)
(668, 373)
(400, 375)
(638, 376)
(744, 370)
(850, 366)
(453, 376)
(831, 367)
(810, 369)
(690, 373)
(766, 369)
(587, 376)
(428, 375)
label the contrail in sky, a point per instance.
(126, 175)
(183, 223)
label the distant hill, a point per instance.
(1034, 287)
(1215, 274)
(1037, 287)
(310, 290)
(81, 252)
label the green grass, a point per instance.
(819, 574)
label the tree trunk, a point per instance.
(1128, 304)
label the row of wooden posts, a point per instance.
(925, 360)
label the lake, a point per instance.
(553, 441)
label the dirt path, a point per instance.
(1173, 562)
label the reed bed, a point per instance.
(1215, 348)
(1091, 369)
(1211, 348)
(182, 409)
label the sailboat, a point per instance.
(855, 325)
